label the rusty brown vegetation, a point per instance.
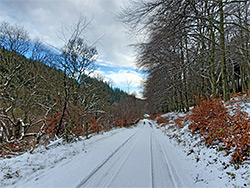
(212, 120)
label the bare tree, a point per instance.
(77, 59)
(44, 53)
(187, 48)
(14, 38)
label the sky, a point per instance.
(46, 18)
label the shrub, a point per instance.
(212, 120)
(153, 117)
(163, 120)
(95, 125)
(180, 122)
(240, 136)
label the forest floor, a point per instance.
(140, 156)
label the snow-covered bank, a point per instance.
(209, 167)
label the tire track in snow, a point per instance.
(165, 169)
(151, 152)
(110, 175)
(122, 163)
(162, 173)
(155, 163)
(136, 170)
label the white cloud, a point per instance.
(138, 94)
(125, 77)
(103, 62)
(128, 79)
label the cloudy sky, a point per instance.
(45, 19)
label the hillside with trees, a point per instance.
(192, 48)
(50, 94)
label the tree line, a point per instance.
(198, 47)
(47, 93)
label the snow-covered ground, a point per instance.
(141, 156)
(62, 165)
(209, 167)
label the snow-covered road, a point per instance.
(135, 157)
(141, 161)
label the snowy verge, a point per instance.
(213, 167)
(49, 164)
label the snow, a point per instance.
(146, 155)
(62, 165)
(209, 167)
(119, 170)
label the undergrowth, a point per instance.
(71, 130)
(213, 121)
(222, 125)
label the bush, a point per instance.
(212, 120)
(163, 120)
(180, 122)
(153, 117)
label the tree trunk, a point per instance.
(212, 65)
(66, 99)
(225, 91)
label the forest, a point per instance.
(190, 48)
(47, 93)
